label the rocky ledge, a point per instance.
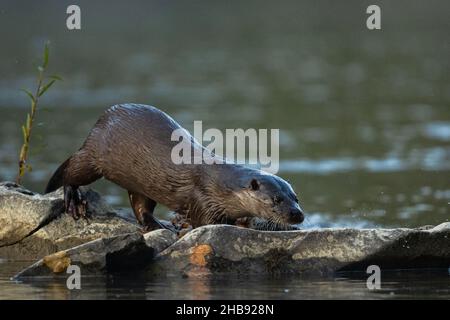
(110, 241)
(22, 212)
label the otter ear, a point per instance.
(254, 184)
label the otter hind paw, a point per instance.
(75, 203)
(151, 223)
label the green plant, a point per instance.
(41, 88)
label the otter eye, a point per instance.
(254, 185)
(277, 199)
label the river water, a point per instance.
(364, 116)
(400, 284)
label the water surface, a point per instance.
(406, 284)
(364, 116)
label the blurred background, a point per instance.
(364, 116)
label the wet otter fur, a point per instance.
(131, 146)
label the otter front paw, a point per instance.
(75, 203)
(264, 225)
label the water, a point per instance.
(364, 116)
(411, 284)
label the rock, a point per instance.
(22, 211)
(221, 248)
(122, 253)
(110, 241)
(94, 256)
(160, 239)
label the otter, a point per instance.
(131, 146)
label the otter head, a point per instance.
(270, 197)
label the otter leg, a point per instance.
(143, 208)
(75, 203)
(78, 172)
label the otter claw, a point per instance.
(155, 224)
(75, 203)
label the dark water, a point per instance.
(364, 116)
(406, 284)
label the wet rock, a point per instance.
(122, 253)
(160, 239)
(110, 241)
(22, 211)
(222, 248)
(95, 256)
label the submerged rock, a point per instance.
(22, 211)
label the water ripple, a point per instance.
(429, 159)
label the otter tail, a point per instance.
(56, 180)
(75, 171)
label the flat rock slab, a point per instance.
(22, 211)
(222, 248)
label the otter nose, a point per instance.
(296, 215)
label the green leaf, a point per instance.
(45, 88)
(24, 132)
(44, 65)
(30, 95)
(28, 121)
(56, 77)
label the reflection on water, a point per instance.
(364, 116)
(431, 284)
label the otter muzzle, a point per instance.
(296, 216)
